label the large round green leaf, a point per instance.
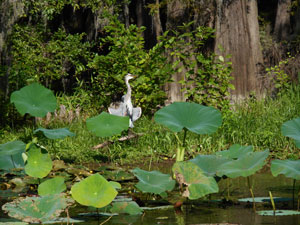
(244, 166)
(292, 129)
(106, 125)
(36, 209)
(34, 99)
(55, 133)
(131, 208)
(198, 185)
(52, 186)
(289, 168)
(12, 148)
(94, 191)
(235, 151)
(194, 117)
(210, 164)
(8, 162)
(154, 181)
(39, 163)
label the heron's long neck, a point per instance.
(128, 88)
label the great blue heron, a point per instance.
(125, 107)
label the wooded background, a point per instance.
(258, 34)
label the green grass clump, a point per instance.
(253, 122)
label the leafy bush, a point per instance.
(37, 58)
(126, 54)
(207, 78)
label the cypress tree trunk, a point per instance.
(282, 27)
(237, 32)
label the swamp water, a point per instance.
(207, 211)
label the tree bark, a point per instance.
(237, 32)
(282, 27)
(157, 21)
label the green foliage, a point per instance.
(34, 99)
(59, 133)
(126, 54)
(207, 77)
(52, 186)
(94, 191)
(289, 168)
(291, 129)
(42, 56)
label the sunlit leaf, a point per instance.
(94, 191)
(154, 181)
(34, 99)
(52, 186)
(291, 129)
(235, 151)
(198, 185)
(55, 133)
(39, 162)
(106, 125)
(36, 209)
(289, 168)
(209, 164)
(244, 166)
(194, 117)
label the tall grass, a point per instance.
(253, 122)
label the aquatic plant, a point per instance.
(186, 116)
(11, 155)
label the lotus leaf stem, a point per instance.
(272, 201)
(251, 191)
(294, 184)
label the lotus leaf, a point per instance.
(209, 164)
(37, 209)
(52, 186)
(198, 185)
(38, 163)
(115, 185)
(8, 162)
(194, 117)
(244, 166)
(106, 125)
(12, 148)
(265, 199)
(34, 99)
(55, 133)
(154, 182)
(236, 151)
(289, 168)
(94, 191)
(278, 212)
(292, 129)
(131, 208)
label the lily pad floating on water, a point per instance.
(198, 185)
(209, 164)
(289, 168)
(94, 191)
(131, 208)
(244, 166)
(106, 125)
(59, 133)
(278, 213)
(37, 209)
(235, 151)
(154, 182)
(194, 117)
(38, 163)
(34, 99)
(52, 186)
(291, 129)
(265, 199)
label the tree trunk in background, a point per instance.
(10, 12)
(157, 21)
(237, 32)
(139, 13)
(282, 27)
(176, 15)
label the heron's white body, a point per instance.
(125, 107)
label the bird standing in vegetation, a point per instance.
(125, 107)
